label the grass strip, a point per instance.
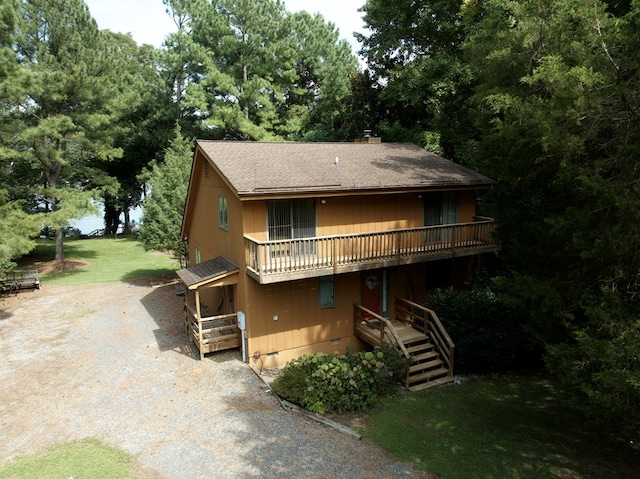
(107, 260)
(87, 459)
(520, 427)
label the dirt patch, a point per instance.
(45, 267)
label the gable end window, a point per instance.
(223, 215)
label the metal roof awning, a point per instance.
(218, 271)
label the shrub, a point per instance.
(488, 334)
(324, 383)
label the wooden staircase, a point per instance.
(427, 368)
(418, 334)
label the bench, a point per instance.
(19, 280)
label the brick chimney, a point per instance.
(367, 138)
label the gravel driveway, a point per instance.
(111, 361)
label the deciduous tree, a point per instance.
(414, 53)
(558, 97)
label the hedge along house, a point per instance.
(297, 248)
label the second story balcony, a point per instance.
(293, 259)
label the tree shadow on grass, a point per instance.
(520, 426)
(78, 252)
(150, 274)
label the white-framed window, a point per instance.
(326, 291)
(223, 214)
(197, 254)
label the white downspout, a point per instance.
(242, 325)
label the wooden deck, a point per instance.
(288, 260)
(418, 334)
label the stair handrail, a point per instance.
(431, 326)
(387, 329)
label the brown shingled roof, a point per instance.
(206, 272)
(259, 168)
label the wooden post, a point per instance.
(334, 255)
(198, 317)
(186, 309)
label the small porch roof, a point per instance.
(218, 271)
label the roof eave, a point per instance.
(364, 190)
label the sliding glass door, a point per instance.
(292, 219)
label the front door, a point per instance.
(371, 290)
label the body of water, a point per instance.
(96, 222)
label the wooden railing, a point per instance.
(381, 327)
(428, 322)
(305, 257)
(212, 333)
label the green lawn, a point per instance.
(107, 260)
(506, 427)
(88, 459)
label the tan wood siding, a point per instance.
(300, 321)
(466, 206)
(205, 232)
(360, 214)
(303, 327)
(255, 219)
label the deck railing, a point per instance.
(342, 253)
(384, 331)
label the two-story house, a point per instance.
(311, 245)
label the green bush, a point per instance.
(397, 364)
(325, 383)
(488, 334)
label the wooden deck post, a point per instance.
(198, 317)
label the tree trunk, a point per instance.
(127, 225)
(111, 216)
(52, 175)
(59, 245)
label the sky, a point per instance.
(147, 21)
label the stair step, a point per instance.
(428, 375)
(418, 358)
(436, 363)
(417, 337)
(420, 348)
(430, 384)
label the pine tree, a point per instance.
(60, 107)
(252, 71)
(167, 182)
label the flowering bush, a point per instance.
(333, 382)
